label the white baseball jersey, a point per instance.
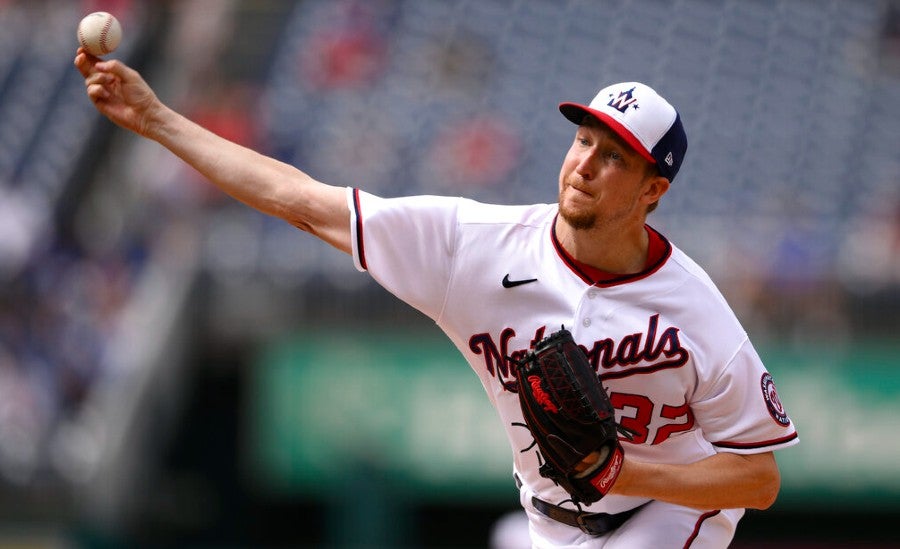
(679, 368)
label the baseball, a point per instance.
(99, 33)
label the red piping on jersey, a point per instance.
(700, 522)
(616, 280)
(360, 248)
(755, 445)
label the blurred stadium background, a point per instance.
(179, 371)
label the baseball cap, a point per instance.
(642, 118)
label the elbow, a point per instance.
(767, 499)
(768, 490)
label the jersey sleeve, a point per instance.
(740, 411)
(406, 245)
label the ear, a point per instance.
(656, 187)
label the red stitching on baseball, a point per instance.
(103, 34)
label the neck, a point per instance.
(619, 250)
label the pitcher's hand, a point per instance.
(118, 92)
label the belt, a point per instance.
(595, 524)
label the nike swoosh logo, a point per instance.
(507, 283)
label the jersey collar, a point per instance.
(660, 250)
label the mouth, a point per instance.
(580, 191)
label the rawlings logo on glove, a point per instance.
(540, 396)
(570, 417)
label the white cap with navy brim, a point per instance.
(642, 118)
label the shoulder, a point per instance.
(706, 314)
(690, 268)
(686, 273)
(466, 211)
(365, 204)
(477, 213)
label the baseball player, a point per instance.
(702, 412)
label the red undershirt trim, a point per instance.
(658, 251)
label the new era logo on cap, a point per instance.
(642, 118)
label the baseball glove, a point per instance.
(570, 416)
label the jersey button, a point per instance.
(592, 294)
(586, 322)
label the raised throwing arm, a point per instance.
(266, 184)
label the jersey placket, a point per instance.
(589, 313)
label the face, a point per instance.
(604, 182)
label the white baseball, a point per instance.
(99, 33)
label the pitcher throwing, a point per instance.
(682, 378)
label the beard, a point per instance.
(580, 220)
(581, 217)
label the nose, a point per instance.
(586, 166)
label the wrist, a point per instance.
(624, 480)
(612, 468)
(157, 122)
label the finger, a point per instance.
(97, 92)
(81, 64)
(93, 58)
(84, 62)
(117, 68)
(102, 78)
